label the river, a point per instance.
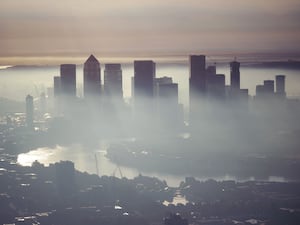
(87, 161)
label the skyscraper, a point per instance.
(161, 80)
(113, 81)
(215, 87)
(29, 111)
(144, 111)
(269, 86)
(280, 85)
(235, 77)
(197, 86)
(197, 74)
(68, 80)
(91, 77)
(144, 74)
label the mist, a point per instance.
(159, 126)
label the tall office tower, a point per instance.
(144, 74)
(211, 71)
(57, 86)
(197, 75)
(68, 80)
(169, 92)
(161, 80)
(269, 86)
(260, 91)
(280, 85)
(216, 87)
(235, 77)
(91, 77)
(29, 111)
(170, 113)
(197, 86)
(113, 81)
(144, 110)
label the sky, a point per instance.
(35, 28)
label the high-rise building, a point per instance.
(197, 87)
(144, 110)
(91, 77)
(169, 112)
(280, 85)
(266, 90)
(269, 86)
(260, 91)
(144, 74)
(57, 86)
(211, 71)
(216, 87)
(235, 77)
(161, 80)
(169, 92)
(113, 81)
(197, 75)
(68, 80)
(29, 111)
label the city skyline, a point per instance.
(149, 112)
(133, 28)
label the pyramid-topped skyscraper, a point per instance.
(91, 78)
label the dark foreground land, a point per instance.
(58, 194)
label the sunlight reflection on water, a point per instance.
(84, 161)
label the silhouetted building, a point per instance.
(144, 74)
(68, 80)
(91, 77)
(161, 80)
(197, 75)
(57, 86)
(168, 91)
(169, 111)
(211, 71)
(144, 110)
(260, 91)
(65, 179)
(29, 111)
(266, 90)
(197, 88)
(215, 87)
(235, 77)
(113, 81)
(280, 86)
(269, 87)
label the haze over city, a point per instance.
(149, 112)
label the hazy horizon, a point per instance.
(133, 28)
